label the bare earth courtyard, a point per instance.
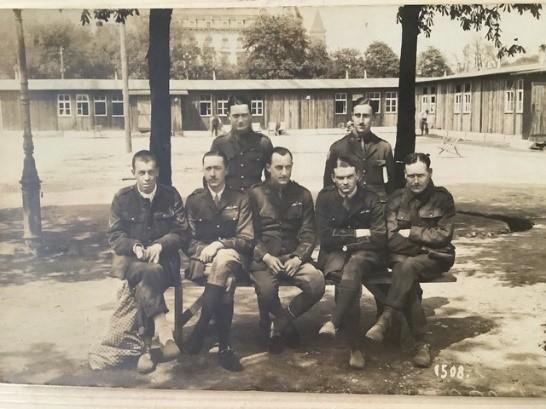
(488, 329)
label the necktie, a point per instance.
(216, 199)
(346, 204)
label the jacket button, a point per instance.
(217, 226)
(242, 165)
(242, 177)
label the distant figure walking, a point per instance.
(424, 122)
(215, 125)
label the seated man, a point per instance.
(352, 243)
(284, 228)
(147, 228)
(222, 235)
(420, 228)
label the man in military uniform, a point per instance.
(220, 220)
(373, 153)
(420, 228)
(246, 151)
(284, 228)
(147, 228)
(352, 234)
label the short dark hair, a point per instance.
(343, 161)
(363, 101)
(145, 156)
(417, 157)
(280, 150)
(215, 153)
(238, 100)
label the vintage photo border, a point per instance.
(14, 396)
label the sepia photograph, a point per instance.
(272, 204)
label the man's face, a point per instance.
(240, 118)
(280, 169)
(362, 118)
(214, 171)
(345, 179)
(146, 173)
(418, 177)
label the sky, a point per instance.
(358, 26)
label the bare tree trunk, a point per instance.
(159, 66)
(30, 182)
(405, 131)
(125, 77)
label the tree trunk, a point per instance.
(159, 65)
(125, 77)
(405, 131)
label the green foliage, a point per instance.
(276, 47)
(118, 15)
(432, 63)
(381, 61)
(347, 59)
(317, 61)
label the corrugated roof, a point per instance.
(519, 69)
(137, 86)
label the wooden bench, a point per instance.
(449, 144)
(373, 283)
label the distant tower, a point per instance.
(318, 32)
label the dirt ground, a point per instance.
(488, 330)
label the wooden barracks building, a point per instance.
(507, 101)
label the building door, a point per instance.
(538, 108)
(144, 114)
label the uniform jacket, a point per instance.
(134, 219)
(374, 157)
(283, 225)
(246, 157)
(230, 223)
(429, 216)
(337, 225)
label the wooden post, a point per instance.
(125, 78)
(30, 182)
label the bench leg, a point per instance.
(178, 303)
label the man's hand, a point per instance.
(404, 233)
(362, 233)
(273, 263)
(208, 253)
(292, 265)
(139, 251)
(153, 252)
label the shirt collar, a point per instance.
(213, 193)
(150, 195)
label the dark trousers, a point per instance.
(349, 291)
(308, 279)
(405, 293)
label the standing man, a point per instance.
(352, 241)
(420, 228)
(147, 228)
(221, 243)
(284, 225)
(424, 122)
(246, 151)
(214, 125)
(373, 153)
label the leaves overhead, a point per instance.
(118, 15)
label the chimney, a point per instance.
(542, 54)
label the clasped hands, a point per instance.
(289, 267)
(150, 254)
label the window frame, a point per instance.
(467, 98)
(519, 96)
(338, 98)
(116, 101)
(81, 100)
(100, 100)
(391, 102)
(509, 97)
(222, 106)
(207, 103)
(257, 106)
(64, 105)
(457, 100)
